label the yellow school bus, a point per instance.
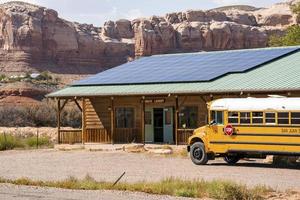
(247, 127)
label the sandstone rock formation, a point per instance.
(34, 38)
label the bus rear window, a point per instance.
(295, 117)
(283, 118)
(245, 117)
(233, 117)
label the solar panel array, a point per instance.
(188, 67)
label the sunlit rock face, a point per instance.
(34, 38)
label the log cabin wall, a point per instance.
(97, 120)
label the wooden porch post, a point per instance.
(83, 129)
(112, 120)
(58, 121)
(176, 120)
(143, 119)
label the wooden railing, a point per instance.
(99, 135)
(127, 135)
(183, 135)
(70, 136)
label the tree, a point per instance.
(296, 9)
(292, 35)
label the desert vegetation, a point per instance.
(292, 35)
(42, 114)
(8, 142)
(36, 78)
(175, 187)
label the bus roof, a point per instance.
(256, 104)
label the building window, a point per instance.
(217, 117)
(124, 117)
(295, 117)
(270, 118)
(257, 117)
(283, 117)
(233, 117)
(148, 117)
(188, 117)
(245, 117)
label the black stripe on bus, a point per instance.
(264, 152)
(267, 134)
(256, 143)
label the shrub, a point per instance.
(41, 141)
(8, 142)
(43, 114)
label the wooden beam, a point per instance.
(79, 107)
(143, 119)
(83, 121)
(65, 102)
(176, 119)
(58, 121)
(112, 119)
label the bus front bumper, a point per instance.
(188, 148)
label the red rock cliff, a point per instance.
(34, 38)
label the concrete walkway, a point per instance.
(134, 147)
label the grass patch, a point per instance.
(9, 142)
(171, 186)
(41, 141)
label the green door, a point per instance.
(149, 130)
(168, 125)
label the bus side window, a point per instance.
(217, 117)
(270, 118)
(245, 117)
(233, 117)
(283, 117)
(257, 117)
(295, 117)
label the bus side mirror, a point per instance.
(212, 122)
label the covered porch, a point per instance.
(161, 119)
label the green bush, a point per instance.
(8, 142)
(41, 141)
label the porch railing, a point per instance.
(127, 135)
(183, 135)
(70, 136)
(99, 135)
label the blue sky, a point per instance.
(98, 11)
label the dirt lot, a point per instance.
(107, 166)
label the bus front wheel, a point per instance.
(198, 154)
(232, 159)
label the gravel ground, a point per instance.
(108, 166)
(9, 192)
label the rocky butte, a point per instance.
(34, 38)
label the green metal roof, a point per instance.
(279, 75)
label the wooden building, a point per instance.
(162, 98)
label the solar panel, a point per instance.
(188, 67)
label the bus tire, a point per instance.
(198, 154)
(231, 159)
